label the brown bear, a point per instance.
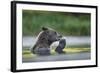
(45, 38)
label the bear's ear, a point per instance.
(44, 28)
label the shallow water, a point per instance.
(28, 41)
(60, 57)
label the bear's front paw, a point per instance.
(61, 46)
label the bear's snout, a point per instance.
(59, 37)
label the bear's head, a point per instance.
(49, 35)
